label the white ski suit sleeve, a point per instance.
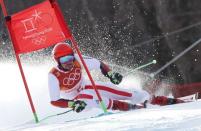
(92, 63)
(53, 85)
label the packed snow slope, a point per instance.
(175, 117)
(16, 113)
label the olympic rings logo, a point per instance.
(72, 78)
(39, 40)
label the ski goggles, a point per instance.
(66, 59)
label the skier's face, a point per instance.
(67, 62)
(67, 66)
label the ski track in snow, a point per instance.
(15, 109)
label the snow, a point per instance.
(16, 113)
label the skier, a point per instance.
(69, 89)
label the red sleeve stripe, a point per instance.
(84, 96)
(104, 88)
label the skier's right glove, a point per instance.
(77, 106)
(114, 77)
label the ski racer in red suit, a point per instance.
(69, 89)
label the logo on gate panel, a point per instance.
(29, 25)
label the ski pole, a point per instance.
(168, 34)
(140, 67)
(47, 117)
(176, 58)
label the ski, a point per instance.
(190, 98)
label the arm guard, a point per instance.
(104, 68)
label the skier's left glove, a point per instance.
(77, 106)
(114, 77)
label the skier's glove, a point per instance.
(114, 77)
(77, 106)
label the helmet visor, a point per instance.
(66, 59)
